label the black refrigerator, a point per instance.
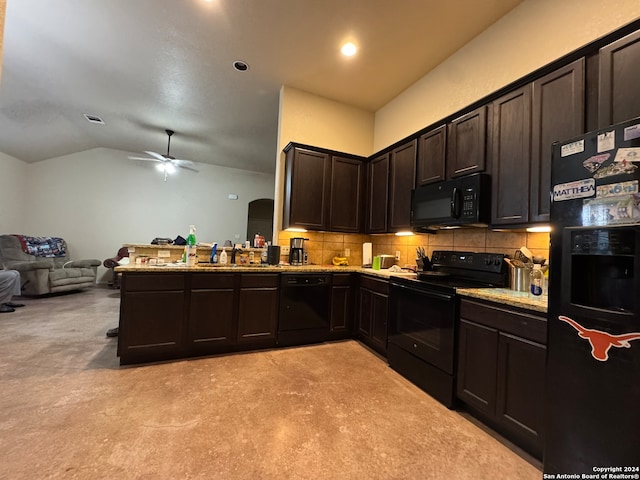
(592, 397)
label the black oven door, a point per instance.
(422, 323)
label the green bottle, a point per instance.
(191, 247)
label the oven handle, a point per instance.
(435, 295)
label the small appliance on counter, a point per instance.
(273, 254)
(296, 251)
(387, 261)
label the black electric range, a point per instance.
(424, 312)
(451, 270)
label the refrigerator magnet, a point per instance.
(628, 155)
(615, 189)
(601, 342)
(632, 132)
(610, 211)
(578, 189)
(606, 141)
(572, 148)
(594, 163)
(616, 168)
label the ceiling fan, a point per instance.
(167, 163)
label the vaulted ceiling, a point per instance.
(147, 65)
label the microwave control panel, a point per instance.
(468, 202)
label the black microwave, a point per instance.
(461, 201)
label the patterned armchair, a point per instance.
(44, 264)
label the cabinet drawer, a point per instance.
(141, 282)
(341, 279)
(258, 280)
(378, 286)
(525, 325)
(212, 280)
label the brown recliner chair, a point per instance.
(112, 262)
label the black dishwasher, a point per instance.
(304, 308)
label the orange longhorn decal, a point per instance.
(601, 342)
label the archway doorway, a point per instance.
(260, 219)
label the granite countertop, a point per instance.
(507, 296)
(497, 295)
(207, 267)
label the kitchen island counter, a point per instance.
(217, 268)
(497, 295)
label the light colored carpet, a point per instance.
(331, 411)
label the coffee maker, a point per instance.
(296, 251)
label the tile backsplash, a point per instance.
(322, 247)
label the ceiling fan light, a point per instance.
(160, 166)
(169, 168)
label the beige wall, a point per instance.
(317, 121)
(532, 35)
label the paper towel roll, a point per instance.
(367, 254)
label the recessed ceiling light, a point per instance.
(349, 49)
(241, 66)
(93, 119)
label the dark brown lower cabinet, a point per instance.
(373, 302)
(478, 366)
(211, 324)
(172, 315)
(341, 320)
(258, 309)
(501, 370)
(151, 312)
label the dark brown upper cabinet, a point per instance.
(377, 194)
(558, 114)
(618, 98)
(432, 152)
(323, 190)
(466, 146)
(401, 181)
(347, 187)
(306, 189)
(510, 150)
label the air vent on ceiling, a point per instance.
(93, 119)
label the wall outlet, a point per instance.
(397, 254)
(347, 252)
(284, 250)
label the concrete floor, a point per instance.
(331, 411)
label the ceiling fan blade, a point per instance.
(188, 168)
(180, 162)
(156, 155)
(145, 159)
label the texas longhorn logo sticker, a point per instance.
(601, 342)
